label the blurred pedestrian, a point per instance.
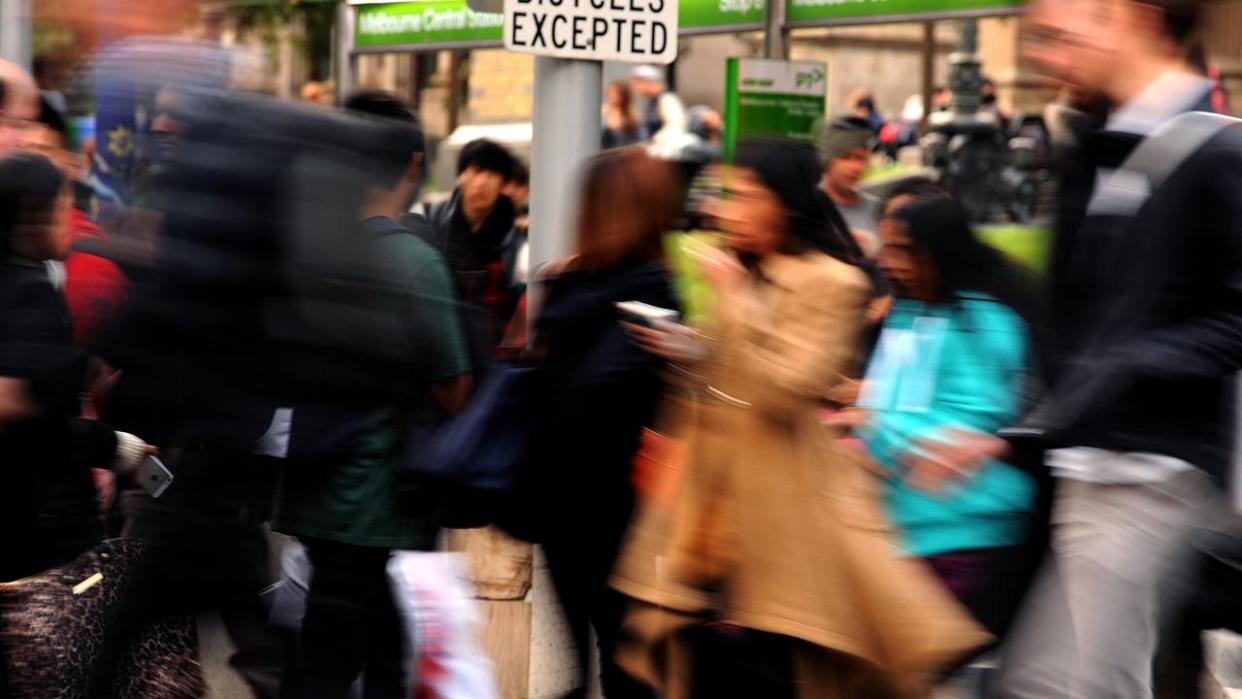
(94, 286)
(989, 103)
(621, 125)
(664, 118)
(176, 344)
(844, 145)
(316, 92)
(862, 105)
(773, 533)
(516, 250)
(601, 390)
(953, 355)
(341, 498)
(472, 231)
(19, 104)
(49, 510)
(1146, 303)
(1198, 59)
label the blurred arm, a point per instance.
(15, 404)
(451, 395)
(436, 331)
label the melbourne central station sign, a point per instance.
(639, 31)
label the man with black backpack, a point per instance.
(396, 319)
(1136, 424)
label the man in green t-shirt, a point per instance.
(401, 322)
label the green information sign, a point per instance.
(703, 16)
(772, 98)
(438, 22)
(812, 11)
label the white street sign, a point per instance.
(639, 31)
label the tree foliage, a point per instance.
(268, 19)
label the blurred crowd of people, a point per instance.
(666, 126)
(777, 437)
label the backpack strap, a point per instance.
(1124, 191)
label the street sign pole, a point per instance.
(569, 42)
(775, 34)
(15, 32)
(566, 131)
(344, 58)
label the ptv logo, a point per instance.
(809, 78)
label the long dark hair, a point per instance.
(790, 169)
(939, 225)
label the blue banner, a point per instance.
(116, 133)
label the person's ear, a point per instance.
(1144, 20)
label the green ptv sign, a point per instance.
(438, 22)
(827, 11)
(766, 97)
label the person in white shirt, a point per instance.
(664, 119)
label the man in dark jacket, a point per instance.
(473, 231)
(1146, 292)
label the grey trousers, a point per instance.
(1118, 574)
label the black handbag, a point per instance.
(474, 460)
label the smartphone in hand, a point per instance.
(154, 476)
(646, 315)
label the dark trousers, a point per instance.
(351, 627)
(580, 567)
(207, 550)
(982, 581)
(731, 661)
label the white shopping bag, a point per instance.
(442, 654)
(441, 622)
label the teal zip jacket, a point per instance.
(940, 367)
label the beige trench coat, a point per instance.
(773, 526)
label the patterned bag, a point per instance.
(59, 629)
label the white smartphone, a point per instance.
(645, 314)
(154, 476)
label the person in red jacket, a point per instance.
(93, 285)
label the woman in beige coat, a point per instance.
(773, 527)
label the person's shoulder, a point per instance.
(870, 200)
(1224, 148)
(27, 292)
(989, 318)
(821, 271)
(407, 244)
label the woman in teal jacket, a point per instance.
(952, 357)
